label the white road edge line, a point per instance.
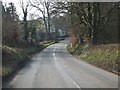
(16, 77)
(74, 82)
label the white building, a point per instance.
(62, 32)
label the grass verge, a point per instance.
(14, 58)
(103, 56)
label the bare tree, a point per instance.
(44, 8)
(24, 6)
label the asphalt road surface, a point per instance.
(54, 67)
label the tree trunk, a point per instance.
(45, 23)
(25, 27)
(49, 36)
(95, 29)
(48, 21)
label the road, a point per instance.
(54, 67)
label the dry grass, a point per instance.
(103, 56)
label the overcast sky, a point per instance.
(16, 3)
(19, 10)
(34, 11)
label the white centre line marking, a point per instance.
(54, 49)
(54, 53)
(64, 72)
